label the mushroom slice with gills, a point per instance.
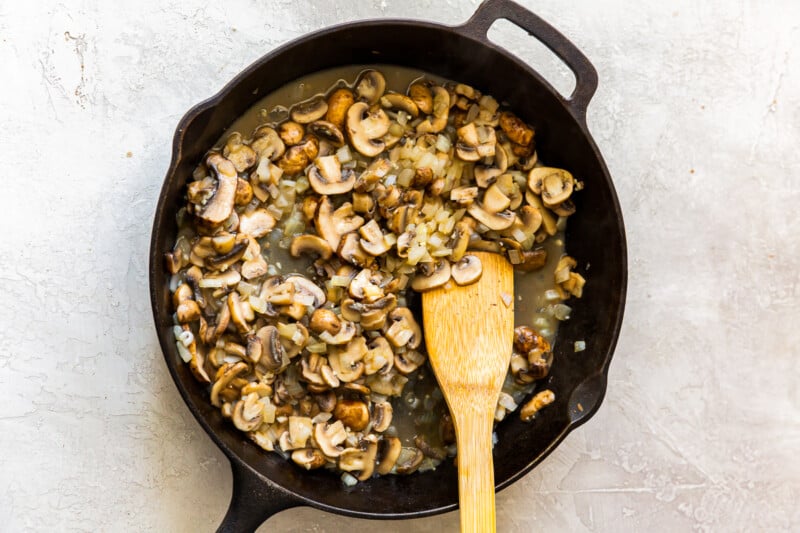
(381, 416)
(390, 383)
(528, 221)
(370, 86)
(329, 437)
(354, 414)
(494, 221)
(346, 361)
(440, 112)
(351, 251)
(327, 131)
(554, 185)
(404, 329)
(331, 225)
(434, 275)
(365, 127)
(409, 460)
(256, 223)
(564, 209)
(255, 266)
(309, 458)
(339, 102)
(226, 374)
(361, 459)
(467, 270)
(397, 101)
(515, 129)
(309, 111)
(238, 153)
(254, 348)
(291, 132)
(388, 451)
(272, 352)
(379, 356)
(224, 261)
(344, 335)
(310, 365)
(247, 413)
(237, 314)
(326, 176)
(421, 95)
(373, 240)
(548, 220)
(276, 290)
(459, 240)
(306, 292)
(485, 176)
(267, 143)
(308, 244)
(373, 316)
(408, 361)
(325, 320)
(220, 206)
(494, 200)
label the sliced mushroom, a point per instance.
(361, 459)
(350, 250)
(186, 309)
(440, 112)
(347, 362)
(247, 413)
(345, 334)
(379, 357)
(425, 447)
(548, 220)
(540, 400)
(389, 451)
(372, 239)
(370, 86)
(381, 416)
(306, 292)
(256, 223)
(438, 274)
(267, 143)
(291, 133)
(220, 206)
(326, 177)
(404, 330)
(365, 127)
(564, 209)
(307, 244)
(389, 384)
(327, 131)
(238, 153)
(494, 221)
(354, 414)
(225, 375)
(467, 270)
(309, 111)
(331, 225)
(309, 458)
(554, 185)
(237, 313)
(272, 352)
(494, 200)
(300, 430)
(254, 265)
(409, 460)
(528, 260)
(515, 129)
(408, 361)
(401, 102)
(339, 102)
(421, 95)
(325, 320)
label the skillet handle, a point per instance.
(254, 500)
(585, 74)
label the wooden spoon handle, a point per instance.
(475, 473)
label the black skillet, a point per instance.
(264, 483)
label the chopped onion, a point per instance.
(231, 359)
(321, 418)
(183, 352)
(174, 282)
(580, 346)
(349, 480)
(258, 304)
(551, 295)
(344, 154)
(340, 281)
(443, 143)
(318, 347)
(561, 311)
(186, 337)
(507, 299)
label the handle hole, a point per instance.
(529, 49)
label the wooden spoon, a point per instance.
(469, 334)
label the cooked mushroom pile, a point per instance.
(298, 246)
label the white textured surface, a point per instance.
(698, 116)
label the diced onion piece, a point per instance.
(186, 337)
(349, 480)
(443, 143)
(340, 281)
(258, 304)
(507, 299)
(317, 347)
(580, 346)
(183, 352)
(561, 311)
(344, 155)
(551, 295)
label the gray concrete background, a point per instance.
(698, 117)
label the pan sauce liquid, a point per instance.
(421, 408)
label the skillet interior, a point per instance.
(595, 237)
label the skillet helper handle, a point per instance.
(585, 74)
(254, 500)
(476, 472)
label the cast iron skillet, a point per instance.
(264, 483)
